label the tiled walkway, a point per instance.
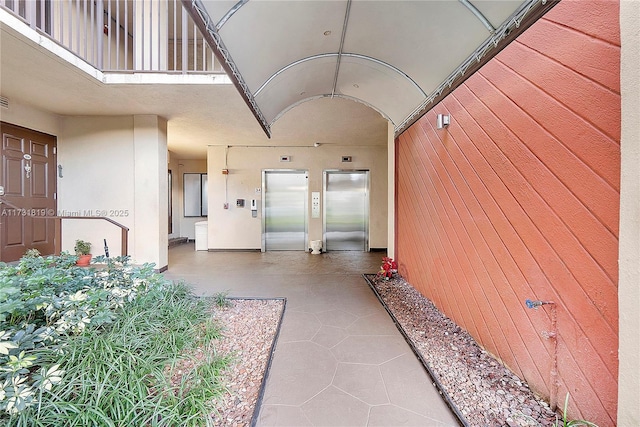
(339, 361)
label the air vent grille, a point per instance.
(4, 102)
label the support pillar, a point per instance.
(151, 239)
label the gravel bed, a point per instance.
(484, 391)
(249, 329)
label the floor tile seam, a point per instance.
(303, 340)
(345, 327)
(315, 395)
(397, 357)
(299, 407)
(332, 350)
(329, 311)
(357, 398)
(386, 388)
(333, 376)
(371, 335)
(418, 414)
(384, 383)
(324, 324)
(337, 344)
(425, 416)
(318, 331)
(359, 363)
(369, 415)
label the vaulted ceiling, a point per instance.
(398, 57)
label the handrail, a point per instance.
(124, 231)
(124, 236)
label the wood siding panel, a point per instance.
(519, 199)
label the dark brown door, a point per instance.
(28, 181)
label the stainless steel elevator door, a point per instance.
(346, 210)
(285, 210)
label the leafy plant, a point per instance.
(97, 347)
(82, 247)
(31, 253)
(564, 422)
(388, 268)
(220, 299)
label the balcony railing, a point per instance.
(122, 35)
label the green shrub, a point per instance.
(95, 346)
(82, 247)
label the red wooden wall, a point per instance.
(519, 199)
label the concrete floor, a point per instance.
(339, 360)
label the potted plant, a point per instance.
(83, 251)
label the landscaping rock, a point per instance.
(483, 390)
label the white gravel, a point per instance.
(249, 328)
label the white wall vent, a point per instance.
(4, 102)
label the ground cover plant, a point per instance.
(99, 346)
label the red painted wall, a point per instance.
(519, 199)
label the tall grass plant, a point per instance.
(121, 370)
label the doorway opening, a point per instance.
(28, 191)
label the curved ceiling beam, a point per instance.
(208, 30)
(478, 15)
(311, 98)
(344, 33)
(520, 20)
(349, 55)
(293, 64)
(230, 13)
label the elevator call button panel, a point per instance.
(315, 204)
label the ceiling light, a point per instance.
(327, 33)
(356, 86)
(316, 144)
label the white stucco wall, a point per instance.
(629, 255)
(30, 118)
(234, 228)
(115, 167)
(96, 155)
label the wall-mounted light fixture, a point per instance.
(316, 144)
(443, 121)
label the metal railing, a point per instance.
(122, 35)
(124, 231)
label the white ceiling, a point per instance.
(396, 56)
